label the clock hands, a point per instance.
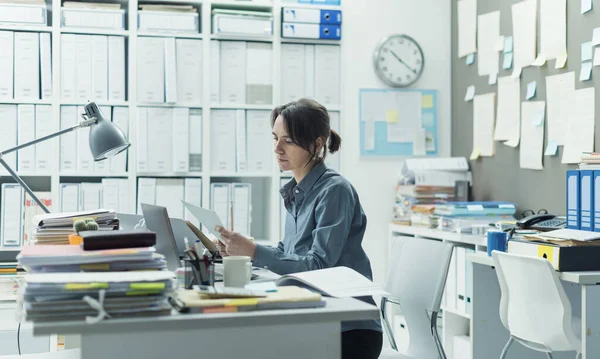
(402, 62)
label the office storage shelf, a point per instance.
(93, 31)
(240, 174)
(93, 174)
(100, 103)
(170, 174)
(178, 2)
(10, 249)
(243, 5)
(163, 104)
(312, 6)
(288, 40)
(25, 102)
(240, 38)
(232, 106)
(26, 174)
(25, 28)
(456, 312)
(179, 35)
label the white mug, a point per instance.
(237, 271)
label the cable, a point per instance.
(19, 338)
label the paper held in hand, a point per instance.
(208, 218)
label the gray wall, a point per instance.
(500, 177)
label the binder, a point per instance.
(9, 133)
(333, 160)
(220, 201)
(311, 31)
(242, 205)
(160, 139)
(587, 200)
(83, 68)
(151, 69)
(596, 216)
(233, 69)
(45, 66)
(309, 71)
(68, 141)
(110, 194)
(91, 196)
(181, 139)
(27, 65)
(451, 283)
(116, 68)
(68, 61)
(461, 292)
(100, 68)
(293, 71)
(69, 197)
(170, 70)
(85, 160)
(312, 16)
(44, 151)
(120, 118)
(573, 199)
(215, 74)
(242, 25)
(142, 140)
(103, 167)
(222, 134)
(259, 148)
(124, 196)
(146, 192)
(469, 283)
(193, 195)
(26, 129)
(169, 193)
(189, 70)
(25, 14)
(195, 140)
(95, 18)
(11, 210)
(240, 143)
(259, 73)
(168, 21)
(6, 65)
(327, 74)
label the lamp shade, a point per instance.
(106, 138)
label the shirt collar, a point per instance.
(286, 189)
(312, 177)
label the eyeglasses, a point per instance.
(530, 212)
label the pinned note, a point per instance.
(427, 101)
(597, 56)
(470, 59)
(561, 61)
(551, 149)
(516, 73)
(586, 71)
(420, 143)
(493, 79)
(499, 44)
(470, 93)
(475, 154)
(539, 61)
(391, 116)
(508, 44)
(596, 37)
(370, 136)
(586, 51)
(508, 59)
(539, 117)
(531, 87)
(586, 5)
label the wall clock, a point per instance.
(398, 60)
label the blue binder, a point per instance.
(311, 31)
(596, 204)
(573, 199)
(586, 201)
(312, 16)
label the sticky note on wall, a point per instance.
(427, 101)
(391, 116)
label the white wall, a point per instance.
(365, 22)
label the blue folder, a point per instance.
(573, 199)
(586, 200)
(596, 204)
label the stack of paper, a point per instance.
(55, 228)
(96, 296)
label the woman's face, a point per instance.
(290, 156)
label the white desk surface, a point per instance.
(336, 310)
(439, 234)
(585, 278)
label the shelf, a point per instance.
(312, 6)
(99, 103)
(10, 249)
(93, 31)
(233, 106)
(240, 175)
(25, 27)
(26, 102)
(246, 5)
(25, 174)
(287, 40)
(240, 38)
(163, 104)
(169, 174)
(179, 35)
(92, 174)
(456, 312)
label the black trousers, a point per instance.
(361, 344)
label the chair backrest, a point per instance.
(534, 305)
(416, 279)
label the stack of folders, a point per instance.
(168, 193)
(90, 14)
(9, 285)
(312, 23)
(467, 217)
(111, 193)
(32, 12)
(583, 204)
(168, 18)
(56, 228)
(17, 210)
(94, 297)
(242, 23)
(238, 216)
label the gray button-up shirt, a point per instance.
(324, 228)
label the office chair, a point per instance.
(535, 308)
(416, 279)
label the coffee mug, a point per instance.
(237, 271)
(496, 241)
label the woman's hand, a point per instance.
(236, 244)
(221, 248)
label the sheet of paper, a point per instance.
(508, 44)
(516, 73)
(596, 36)
(427, 101)
(540, 60)
(374, 104)
(399, 134)
(467, 27)
(207, 217)
(429, 142)
(553, 28)
(551, 149)
(524, 21)
(586, 5)
(420, 143)
(470, 59)
(483, 123)
(539, 117)
(488, 33)
(580, 127)
(532, 137)
(597, 56)
(409, 106)
(586, 51)
(531, 87)
(561, 61)
(470, 93)
(508, 60)
(500, 43)
(369, 136)
(559, 91)
(493, 79)
(586, 71)
(508, 120)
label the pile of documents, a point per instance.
(92, 14)
(55, 228)
(171, 18)
(467, 217)
(242, 23)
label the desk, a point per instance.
(293, 334)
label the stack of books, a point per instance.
(464, 217)
(55, 228)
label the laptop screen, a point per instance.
(157, 220)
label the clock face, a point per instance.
(398, 60)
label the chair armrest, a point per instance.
(386, 325)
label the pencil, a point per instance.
(231, 214)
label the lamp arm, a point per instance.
(24, 185)
(82, 124)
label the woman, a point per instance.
(325, 222)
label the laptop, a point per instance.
(157, 220)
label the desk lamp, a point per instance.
(106, 140)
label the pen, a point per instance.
(187, 244)
(198, 246)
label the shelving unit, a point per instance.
(266, 197)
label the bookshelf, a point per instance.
(266, 214)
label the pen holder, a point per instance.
(197, 270)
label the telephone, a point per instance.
(542, 222)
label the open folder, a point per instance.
(208, 218)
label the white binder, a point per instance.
(94, 18)
(168, 21)
(9, 133)
(327, 74)
(242, 206)
(142, 139)
(259, 73)
(6, 65)
(241, 155)
(45, 66)
(26, 128)
(460, 279)
(231, 24)
(169, 193)
(27, 65)
(450, 295)
(12, 207)
(215, 73)
(220, 201)
(170, 71)
(189, 70)
(68, 61)
(309, 71)
(91, 196)
(260, 148)
(100, 68)
(85, 160)
(69, 197)
(116, 68)
(120, 118)
(68, 141)
(181, 139)
(233, 72)
(83, 73)
(195, 140)
(110, 194)
(124, 196)
(44, 151)
(293, 70)
(151, 70)
(160, 139)
(193, 195)
(222, 135)
(146, 192)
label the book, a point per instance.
(97, 240)
(339, 282)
